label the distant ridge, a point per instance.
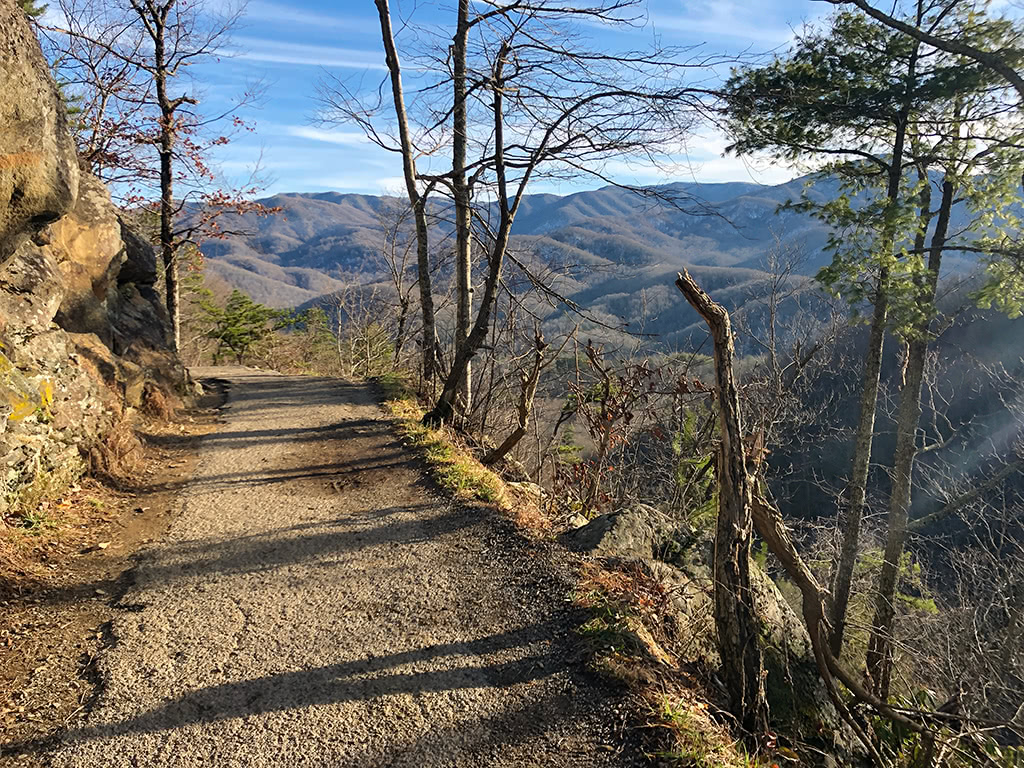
(625, 247)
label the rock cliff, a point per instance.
(83, 332)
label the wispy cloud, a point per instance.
(346, 138)
(702, 160)
(301, 54)
(387, 185)
(706, 162)
(725, 19)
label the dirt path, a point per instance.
(318, 604)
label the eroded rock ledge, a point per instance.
(83, 332)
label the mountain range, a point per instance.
(612, 252)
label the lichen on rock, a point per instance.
(83, 332)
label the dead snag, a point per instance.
(770, 527)
(527, 393)
(739, 508)
(735, 617)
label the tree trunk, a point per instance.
(416, 200)
(856, 491)
(444, 410)
(403, 313)
(463, 214)
(880, 647)
(735, 616)
(168, 248)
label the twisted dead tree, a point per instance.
(735, 614)
(742, 507)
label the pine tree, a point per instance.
(33, 9)
(239, 326)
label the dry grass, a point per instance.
(454, 466)
(156, 404)
(528, 513)
(119, 455)
(451, 465)
(38, 539)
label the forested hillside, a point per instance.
(611, 251)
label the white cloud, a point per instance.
(345, 138)
(701, 159)
(392, 185)
(275, 52)
(705, 162)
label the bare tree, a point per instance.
(338, 104)
(516, 95)
(94, 49)
(148, 44)
(529, 379)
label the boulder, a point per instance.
(38, 163)
(87, 247)
(638, 532)
(122, 377)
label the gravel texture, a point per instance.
(318, 603)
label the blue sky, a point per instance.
(291, 46)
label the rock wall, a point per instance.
(83, 333)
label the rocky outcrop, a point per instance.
(639, 531)
(38, 165)
(679, 558)
(83, 333)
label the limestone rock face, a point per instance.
(83, 333)
(31, 290)
(87, 247)
(38, 164)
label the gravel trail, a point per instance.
(317, 603)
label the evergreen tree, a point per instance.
(843, 98)
(239, 326)
(892, 119)
(32, 9)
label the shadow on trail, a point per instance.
(356, 680)
(337, 436)
(316, 544)
(243, 439)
